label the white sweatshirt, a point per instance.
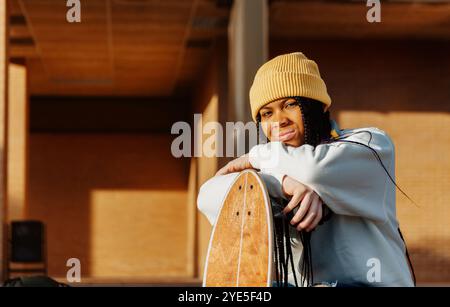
(360, 244)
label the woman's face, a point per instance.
(281, 120)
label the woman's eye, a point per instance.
(266, 114)
(291, 104)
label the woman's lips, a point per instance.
(286, 135)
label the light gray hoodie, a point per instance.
(360, 244)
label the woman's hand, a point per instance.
(309, 214)
(236, 165)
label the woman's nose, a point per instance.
(280, 119)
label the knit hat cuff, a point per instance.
(279, 85)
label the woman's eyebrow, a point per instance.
(281, 102)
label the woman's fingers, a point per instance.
(318, 218)
(310, 215)
(294, 202)
(237, 165)
(223, 171)
(304, 207)
(313, 213)
(230, 167)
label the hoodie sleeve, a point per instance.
(213, 192)
(347, 176)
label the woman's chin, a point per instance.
(292, 142)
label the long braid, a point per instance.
(282, 246)
(316, 123)
(317, 129)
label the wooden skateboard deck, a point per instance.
(241, 244)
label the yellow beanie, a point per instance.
(287, 75)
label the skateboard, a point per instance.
(240, 252)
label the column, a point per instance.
(17, 142)
(3, 131)
(248, 35)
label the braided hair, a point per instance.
(317, 129)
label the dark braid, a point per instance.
(317, 129)
(316, 122)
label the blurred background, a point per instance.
(86, 110)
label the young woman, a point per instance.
(317, 168)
